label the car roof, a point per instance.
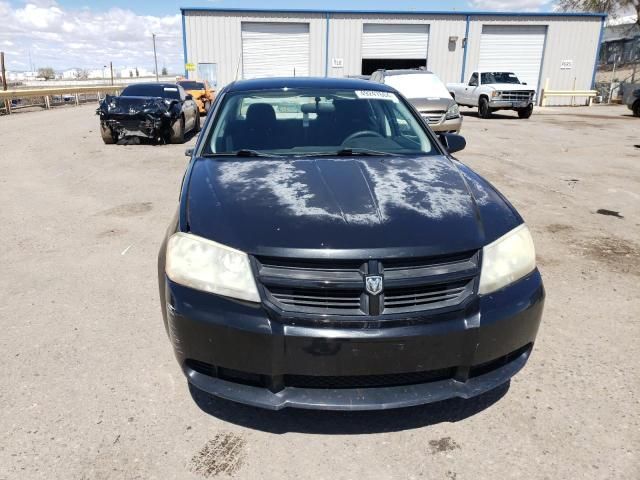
(306, 82)
(153, 84)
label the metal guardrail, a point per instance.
(9, 98)
(589, 94)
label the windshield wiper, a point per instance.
(347, 152)
(244, 152)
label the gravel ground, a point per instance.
(90, 388)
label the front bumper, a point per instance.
(242, 351)
(146, 125)
(507, 104)
(442, 125)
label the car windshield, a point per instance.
(192, 85)
(499, 77)
(288, 122)
(164, 91)
(418, 85)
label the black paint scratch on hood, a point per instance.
(324, 203)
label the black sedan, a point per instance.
(328, 252)
(163, 112)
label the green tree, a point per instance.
(47, 73)
(610, 7)
(137, 72)
(164, 71)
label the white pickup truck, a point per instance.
(491, 91)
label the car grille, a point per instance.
(368, 381)
(433, 117)
(350, 381)
(134, 124)
(338, 288)
(517, 96)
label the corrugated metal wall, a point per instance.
(215, 36)
(568, 38)
(345, 41)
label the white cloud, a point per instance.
(86, 38)
(512, 5)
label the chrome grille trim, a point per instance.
(516, 95)
(328, 288)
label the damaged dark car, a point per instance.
(163, 112)
(329, 252)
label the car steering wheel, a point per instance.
(361, 133)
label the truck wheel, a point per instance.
(177, 131)
(525, 112)
(636, 109)
(107, 135)
(484, 111)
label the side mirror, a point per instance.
(189, 96)
(453, 142)
(473, 84)
(188, 152)
(524, 83)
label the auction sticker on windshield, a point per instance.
(376, 95)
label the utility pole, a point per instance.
(7, 102)
(155, 56)
(111, 68)
(3, 71)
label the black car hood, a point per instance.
(405, 206)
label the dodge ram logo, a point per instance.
(373, 284)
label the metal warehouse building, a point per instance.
(223, 45)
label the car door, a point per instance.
(470, 90)
(189, 109)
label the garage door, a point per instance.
(513, 48)
(275, 50)
(382, 40)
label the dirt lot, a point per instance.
(90, 388)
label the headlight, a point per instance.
(453, 112)
(208, 266)
(506, 260)
(495, 94)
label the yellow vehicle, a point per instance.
(201, 93)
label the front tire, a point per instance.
(108, 137)
(484, 110)
(525, 112)
(636, 109)
(177, 131)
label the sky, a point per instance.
(80, 34)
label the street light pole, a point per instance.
(155, 56)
